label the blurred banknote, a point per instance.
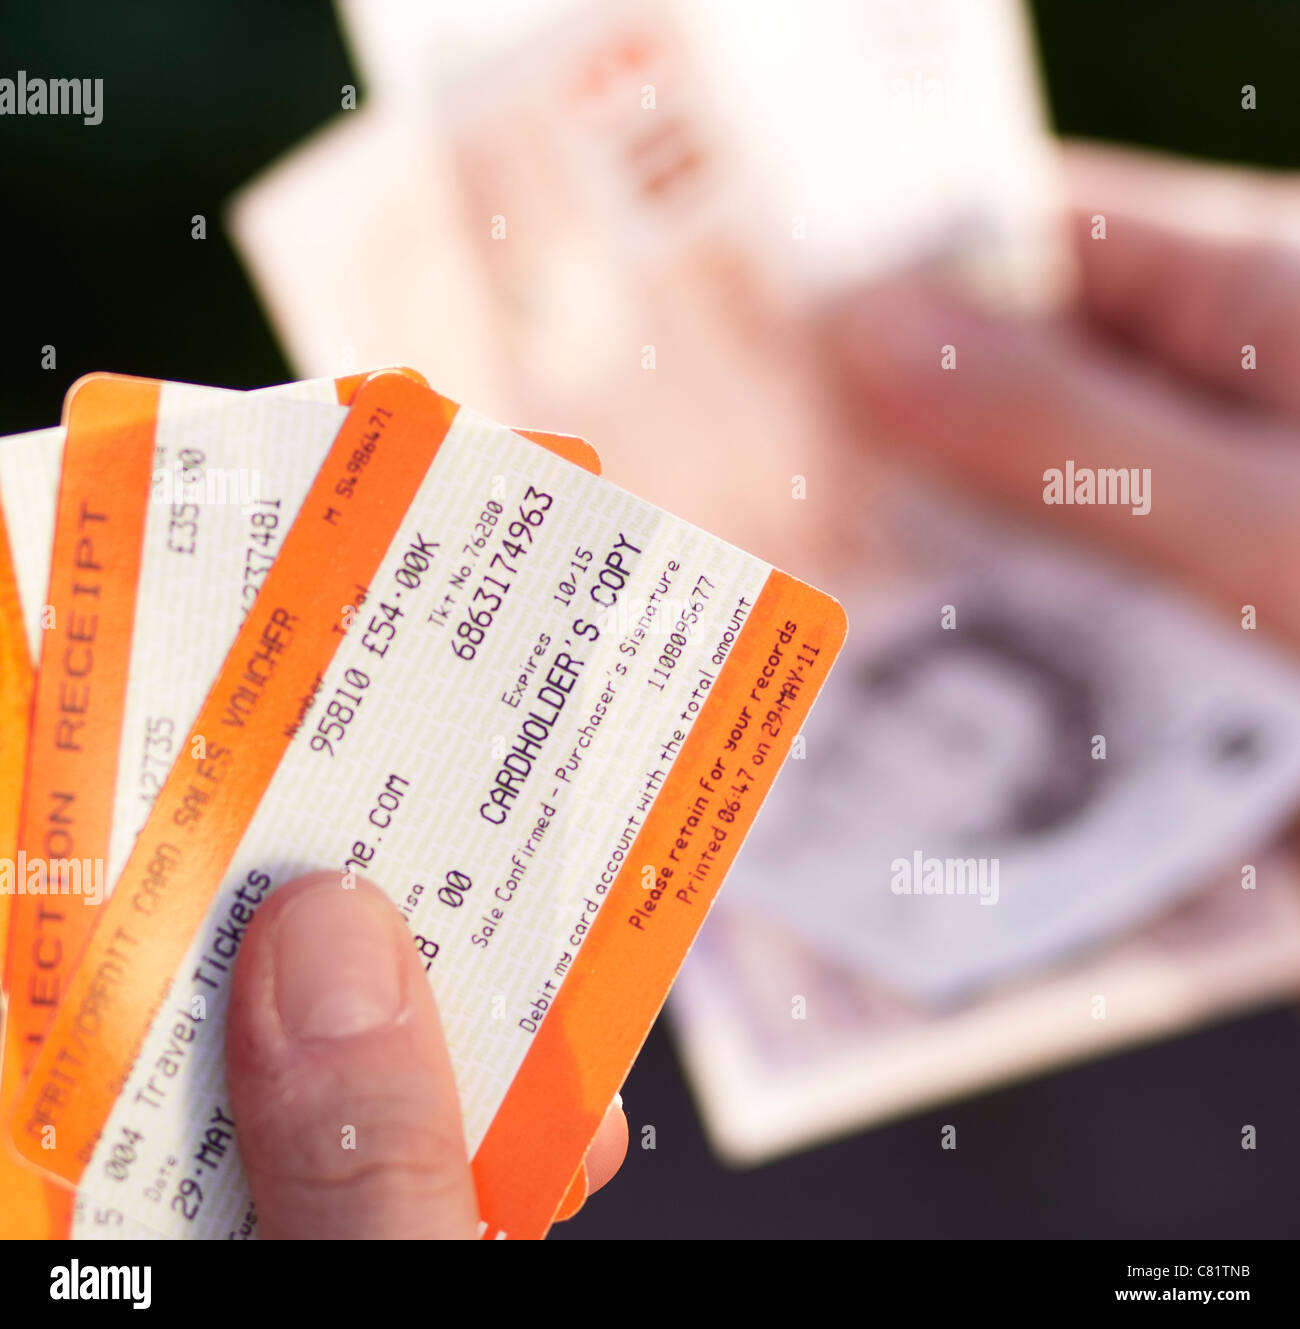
(955, 887)
(877, 132)
(784, 1049)
(1026, 750)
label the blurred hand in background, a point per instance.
(1145, 369)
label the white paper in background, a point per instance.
(887, 131)
(405, 50)
(896, 131)
(974, 746)
(356, 244)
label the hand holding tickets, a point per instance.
(539, 712)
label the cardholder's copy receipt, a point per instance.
(539, 711)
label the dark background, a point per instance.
(98, 261)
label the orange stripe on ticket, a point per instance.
(347, 387)
(68, 795)
(76, 718)
(585, 1047)
(569, 446)
(16, 680)
(30, 1206)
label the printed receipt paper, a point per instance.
(538, 711)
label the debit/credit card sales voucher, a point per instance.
(539, 711)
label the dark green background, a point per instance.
(98, 261)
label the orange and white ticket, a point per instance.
(539, 711)
(147, 584)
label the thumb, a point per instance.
(346, 1108)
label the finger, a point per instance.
(608, 1149)
(1183, 193)
(603, 1160)
(346, 1108)
(1198, 284)
(1023, 398)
